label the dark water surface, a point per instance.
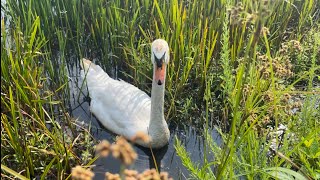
(166, 157)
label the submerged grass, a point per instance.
(243, 66)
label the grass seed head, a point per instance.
(124, 151)
(110, 176)
(103, 148)
(79, 173)
(130, 174)
(142, 137)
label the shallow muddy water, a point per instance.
(166, 157)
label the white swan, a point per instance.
(123, 108)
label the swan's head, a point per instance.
(160, 58)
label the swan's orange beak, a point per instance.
(160, 73)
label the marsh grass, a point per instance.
(236, 65)
(37, 135)
(246, 149)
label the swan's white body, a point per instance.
(123, 108)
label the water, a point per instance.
(166, 157)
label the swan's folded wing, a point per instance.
(118, 105)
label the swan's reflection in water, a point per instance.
(152, 156)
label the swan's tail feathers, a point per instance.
(86, 64)
(92, 73)
(91, 68)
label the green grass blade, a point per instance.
(13, 173)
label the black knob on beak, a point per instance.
(159, 61)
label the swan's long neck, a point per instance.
(157, 102)
(158, 125)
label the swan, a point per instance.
(123, 108)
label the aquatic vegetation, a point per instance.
(38, 137)
(244, 68)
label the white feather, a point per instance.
(120, 106)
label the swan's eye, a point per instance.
(159, 61)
